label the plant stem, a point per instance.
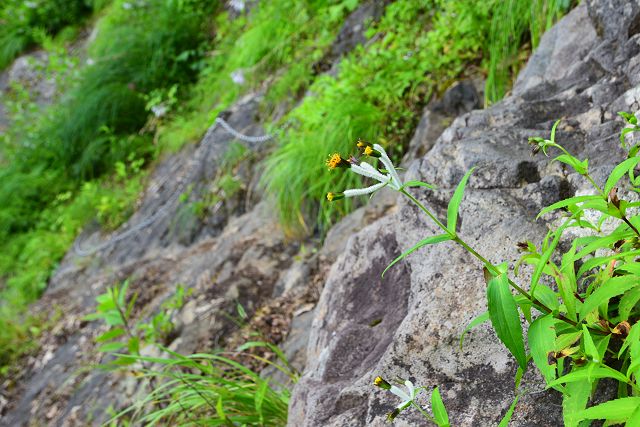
(626, 220)
(423, 412)
(492, 269)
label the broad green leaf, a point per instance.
(596, 261)
(409, 184)
(618, 172)
(612, 287)
(634, 419)
(542, 340)
(428, 241)
(577, 165)
(454, 203)
(602, 371)
(589, 347)
(565, 340)
(546, 296)
(627, 303)
(438, 408)
(575, 400)
(505, 317)
(618, 409)
(567, 202)
(504, 422)
(475, 322)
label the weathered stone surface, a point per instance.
(425, 301)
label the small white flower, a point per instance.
(237, 5)
(406, 396)
(238, 77)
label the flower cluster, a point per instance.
(388, 176)
(408, 397)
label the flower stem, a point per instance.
(423, 412)
(492, 269)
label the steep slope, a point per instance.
(407, 324)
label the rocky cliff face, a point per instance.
(406, 325)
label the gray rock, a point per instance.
(425, 301)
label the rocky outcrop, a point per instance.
(407, 324)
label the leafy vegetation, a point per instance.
(158, 72)
(209, 389)
(381, 88)
(24, 23)
(585, 327)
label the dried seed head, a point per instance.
(613, 197)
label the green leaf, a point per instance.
(602, 371)
(589, 347)
(111, 347)
(439, 410)
(111, 334)
(542, 340)
(410, 184)
(612, 287)
(634, 419)
(567, 202)
(617, 409)
(575, 400)
(220, 409)
(634, 336)
(620, 171)
(428, 241)
(454, 203)
(627, 303)
(505, 318)
(259, 399)
(504, 422)
(475, 322)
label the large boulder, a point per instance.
(407, 325)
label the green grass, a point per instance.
(23, 23)
(279, 41)
(415, 52)
(516, 23)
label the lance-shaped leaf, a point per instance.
(438, 408)
(505, 318)
(542, 340)
(475, 322)
(618, 409)
(428, 241)
(454, 203)
(619, 171)
(611, 288)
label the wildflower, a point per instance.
(336, 161)
(334, 196)
(380, 382)
(406, 396)
(388, 176)
(369, 151)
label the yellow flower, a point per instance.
(336, 161)
(334, 196)
(380, 382)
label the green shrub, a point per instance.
(21, 20)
